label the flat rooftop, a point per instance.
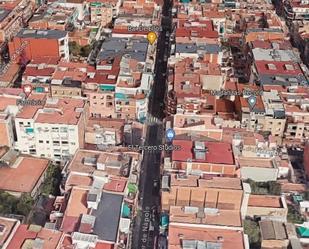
(24, 174)
(228, 239)
(41, 34)
(255, 162)
(135, 48)
(33, 236)
(212, 217)
(78, 163)
(265, 201)
(8, 225)
(108, 216)
(213, 154)
(223, 199)
(77, 205)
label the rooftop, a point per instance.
(23, 175)
(256, 162)
(273, 230)
(265, 201)
(208, 216)
(225, 238)
(278, 67)
(194, 48)
(30, 236)
(210, 152)
(6, 229)
(77, 205)
(41, 34)
(108, 212)
(80, 162)
(135, 48)
(222, 199)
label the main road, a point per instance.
(146, 225)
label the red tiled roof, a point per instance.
(115, 185)
(225, 106)
(33, 71)
(51, 238)
(213, 155)
(205, 29)
(46, 60)
(21, 234)
(102, 245)
(24, 177)
(278, 67)
(69, 224)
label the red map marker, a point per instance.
(27, 89)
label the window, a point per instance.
(56, 143)
(63, 129)
(47, 142)
(65, 142)
(40, 141)
(61, 42)
(32, 151)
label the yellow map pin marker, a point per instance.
(151, 37)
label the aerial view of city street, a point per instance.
(154, 124)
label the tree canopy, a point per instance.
(10, 204)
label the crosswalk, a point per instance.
(152, 120)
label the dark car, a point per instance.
(162, 242)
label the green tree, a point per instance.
(10, 204)
(252, 229)
(24, 205)
(52, 181)
(264, 188)
(274, 188)
(294, 215)
(85, 51)
(74, 48)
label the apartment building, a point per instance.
(30, 41)
(296, 10)
(101, 13)
(28, 173)
(8, 110)
(146, 8)
(35, 236)
(14, 15)
(201, 158)
(104, 132)
(275, 118)
(54, 129)
(54, 16)
(186, 236)
(297, 127)
(132, 87)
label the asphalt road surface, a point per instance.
(146, 226)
